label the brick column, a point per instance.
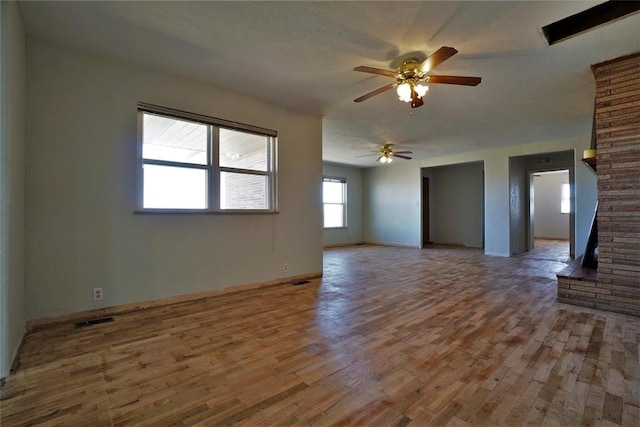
(617, 125)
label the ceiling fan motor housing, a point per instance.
(410, 69)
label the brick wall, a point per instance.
(617, 128)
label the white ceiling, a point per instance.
(301, 55)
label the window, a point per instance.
(334, 197)
(565, 198)
(192, 162)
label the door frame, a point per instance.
(425, 214)
(572, 208)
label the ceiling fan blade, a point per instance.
(401, 156)
(374, 93)
(403, 152)
(437, 57)
(375, 71)
(455, 80)
(367, 155)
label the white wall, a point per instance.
(456, 204)
(392, 194)
(12, 179)
(548, 221)
(352, 234)
(81, 191)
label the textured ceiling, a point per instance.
(300, 55)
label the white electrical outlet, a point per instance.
(285, 267)
(97, 294)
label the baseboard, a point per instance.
(342, 245)
(498, 254)
(82, 316)
(394, 245)
(456, 245)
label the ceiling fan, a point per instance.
(412, 77)
(386, 154)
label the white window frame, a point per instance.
(343, 181)
(212, 167)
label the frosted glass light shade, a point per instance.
(421, 90)
(404, 92)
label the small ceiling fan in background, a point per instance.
(386, 154)
(412, 77)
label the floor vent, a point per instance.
(93, 322)
(301, 282)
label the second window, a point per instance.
(334, 197)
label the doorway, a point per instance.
(452, 211)
(522, 203)
(550, 201)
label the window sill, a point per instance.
(335, 228)
(200, 212)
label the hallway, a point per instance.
(549, 249)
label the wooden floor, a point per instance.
(389, 336)
(550, 250)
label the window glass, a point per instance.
(334, 191)
(172, 187)
(171, 139)
(565, 199)
(242, 150)
(333, 216)
(243, 191)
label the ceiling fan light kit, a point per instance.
(412, 77)
(412, 82)
(385, 159)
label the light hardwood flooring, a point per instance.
(550, 250)
(389, 336)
